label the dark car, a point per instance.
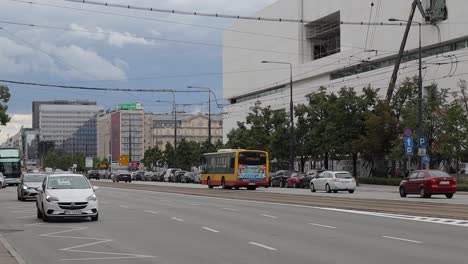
(178, 176)
(94, 174)
(122, 176)
(158, 176)
(280, 178)
(305, 182)
(427, 183)
(139, 176)
(27, 189)
(187, 177)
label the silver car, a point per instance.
(27, 189)
(3, 183)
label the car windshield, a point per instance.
(124, 172)
(34, 177)
(343, 175)
(438, 174)
(68, 182)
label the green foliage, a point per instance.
(152, 156)
(64, 161)
(4, 98)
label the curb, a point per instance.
(10, 249)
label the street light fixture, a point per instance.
(209, 107)
(420, 82)
(292, 146)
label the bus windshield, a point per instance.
(252, 158)
(10, 169)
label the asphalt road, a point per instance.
(362, 192)
(149, 227)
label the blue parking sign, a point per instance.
(422, 142)
(409, 146)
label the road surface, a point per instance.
(151, 227)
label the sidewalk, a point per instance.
(6, 256)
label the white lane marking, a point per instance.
(124, 206)
(210, 229)
(326, 226)
(108, 258)
(230, 209)
(269, 216)
(262, 246)
(177, 219)
(403, 239)
(151, 212)
(405, 217)
(24, 217)
(78, 247)
(12, 251)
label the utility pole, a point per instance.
(130, 141)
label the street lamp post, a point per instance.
(420, 82)
(209, 107)
(291, 114)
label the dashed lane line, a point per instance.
(263, 246)
(210, 229)
(403, 239)
(320, 225)
(269, 216)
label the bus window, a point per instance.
(252, 158)
(232, 163)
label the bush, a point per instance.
(462, 187)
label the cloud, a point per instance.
(114, 38)
(66, 61)
(17, 121)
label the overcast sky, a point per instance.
(36, 54)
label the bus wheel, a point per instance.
(251, 188)
(237, 187)
(208, 182)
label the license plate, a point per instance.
(72, 212)
(252, 183)
(444, 182)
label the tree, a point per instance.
(4, 98)
(169, 155)
(152, 156)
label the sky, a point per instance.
(134, 54)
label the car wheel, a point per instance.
(208, 182)
(335, 191)
(312, 188)
(223, 183)
(296, 185)
(402, 192)
(95, 218)
(351, 191)
(327, 188)
(129, 181)
(449, 195)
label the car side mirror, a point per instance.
(95, 188)
(39, 189)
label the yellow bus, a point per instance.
(235, 168)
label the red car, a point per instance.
(294, 181)
(428, 182)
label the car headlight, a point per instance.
(25, 187)
(50, 198)
(92, 198)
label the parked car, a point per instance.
(139, 176)
(122, 175)
(197, 178)
(147, 176)
(427, 183)
(3, 183)
(294, 181)
(178, 176)
(280, 178)
(333, 181)
(169, 175)
(305, 182)
(188, 177)
(66, 195)
(94, 174)
(27, 188)
(158, 176)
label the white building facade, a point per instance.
(330, 50)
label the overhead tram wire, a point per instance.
(158, 39)
(215, 15)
